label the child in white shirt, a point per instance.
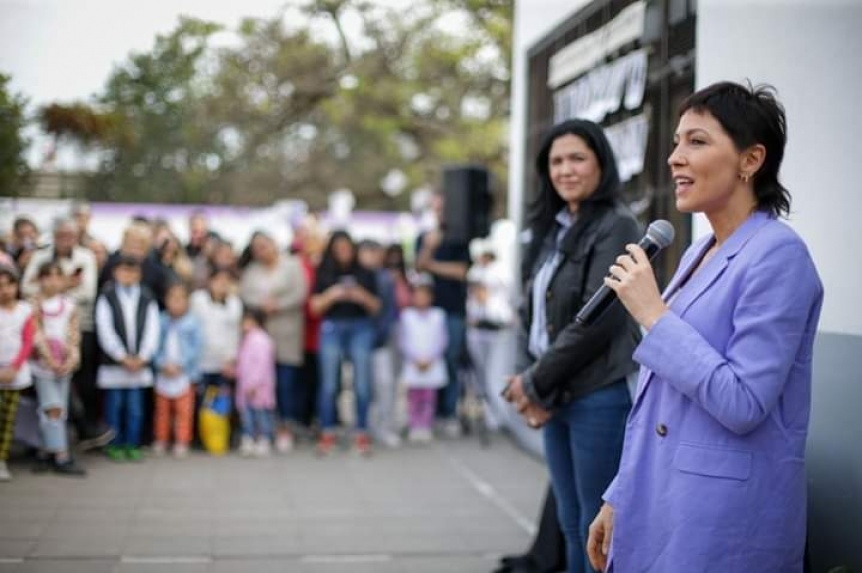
(57, 341)
(422, 339)
(127, 324)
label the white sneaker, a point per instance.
(181, 451)
(284, 443)
(159, 449)
(262, 448)
(4, 471)
(420, 436)
(389, 439)
(451, 428)
(246, 446)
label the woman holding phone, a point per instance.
(345, 296)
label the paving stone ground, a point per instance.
(450, 507)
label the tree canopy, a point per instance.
(275, 108)
(13, 166)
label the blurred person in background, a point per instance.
(255, 385)
(127, 324)
(422, 339)
(489, 316)
(394, 263)
(16, 346)
(80, 272)
(345, 295)
(137, 243)
(100, 251)
(196, 249)
(177, 364)
(219, 311)
(56, 355)
(173, 258)
(308, 244)
(274, 282)
(223, 256)
(82, 215)
(385, 387)
(25, 238)
(447, 262)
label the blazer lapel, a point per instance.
(715, 267)
(686, 266)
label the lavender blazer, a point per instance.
(712, 476)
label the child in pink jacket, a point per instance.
(255, 385)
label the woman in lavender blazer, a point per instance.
(712, 476)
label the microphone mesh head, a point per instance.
(661, 232)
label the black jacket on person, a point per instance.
(579, 359)
(154, 275)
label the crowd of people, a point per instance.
(120, 349)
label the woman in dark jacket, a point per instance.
(345, 296)
(572, 379)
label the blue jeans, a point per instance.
(583, 444)
(256, 422)
(128, 402)
(289, 392)
(339, 339)
(447, 397)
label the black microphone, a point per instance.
(658, 236)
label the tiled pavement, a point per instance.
(451, 507)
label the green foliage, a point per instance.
(13, 167)
(283, 111)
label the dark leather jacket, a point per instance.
(580, 359)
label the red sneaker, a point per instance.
(363, 444)
(326, 443)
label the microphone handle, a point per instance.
(603, 298)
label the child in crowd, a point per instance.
(219, 312)
(56, 356)
(423, 339)
(176, 372)
(255, 385)
(16, 344)
(127, 325)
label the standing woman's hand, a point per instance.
(535, 415)
(633, 279)
(599, 541)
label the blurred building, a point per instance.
(628, 64)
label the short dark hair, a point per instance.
(177, 285)
(23, 221)
(750, 115)
(255, 314)
(11, 273)
(221, 270)
(47, 268)
(128, 261)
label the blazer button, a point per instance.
(550, 329)
(661, 430)
(548, 295)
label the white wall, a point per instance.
(533, 19)
(810, 51)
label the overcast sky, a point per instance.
(64, 49)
